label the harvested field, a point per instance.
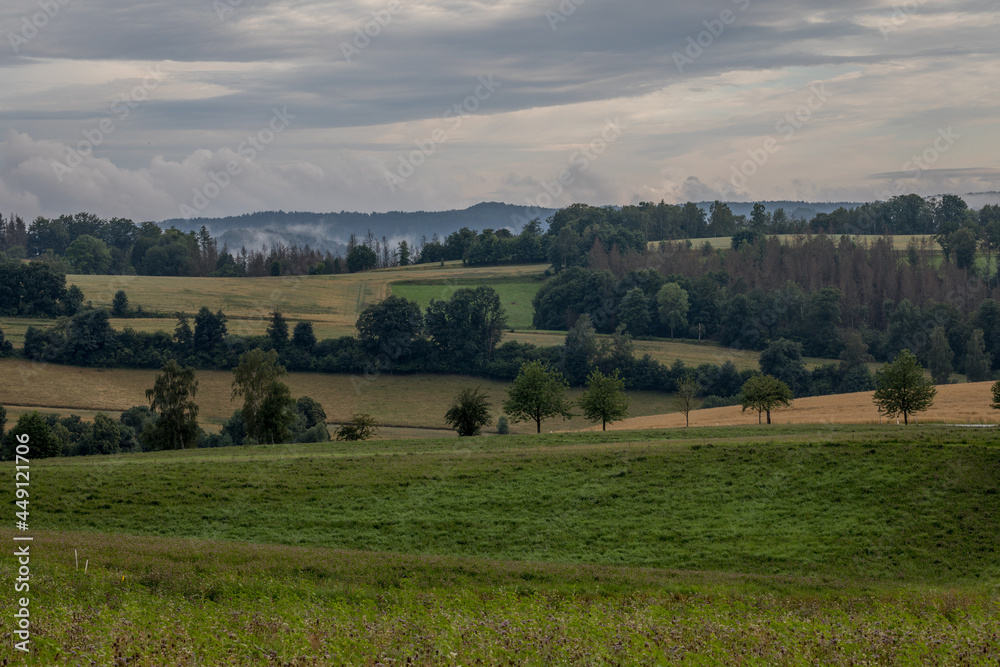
(955, 404)
(415, 403)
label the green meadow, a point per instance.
(785, 545)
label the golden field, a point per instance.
(412, 403)
(955, 404)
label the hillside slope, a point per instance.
(955, 404)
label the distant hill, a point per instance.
(330, 231)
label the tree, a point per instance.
(580, 350)
(303, 336)
(783, 360)
(902, 389)
(310, 411)
(687, 391)
(633, 312)
(390, 327)
(3, 422)
(172, 398)
(996, 396)
(362, 426)
(361, 258)
(41, 441)
(977, 361)
(119, 306)
(537, 393)
(764, 393)
(277, 330)
(268, 408)
(104, 436)
(6, 348)
(605, 400)
(469, 412)
(467, 327)
(673, 302)
(209, 333)
(404, 253)
(940, 356)
(89, 255)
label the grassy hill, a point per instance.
(856, 503)
(801, 544)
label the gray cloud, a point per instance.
(894, 79)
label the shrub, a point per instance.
(362, 426)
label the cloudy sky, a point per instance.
(160, 109)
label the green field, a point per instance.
(516, 297)
(787, 545)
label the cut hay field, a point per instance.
(414, 402)
(841, 546)
(955, 404)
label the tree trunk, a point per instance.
(768, 416)
(687, 421)
(538, 423)
(758, 417)
(906, 421)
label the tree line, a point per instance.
(811, 289)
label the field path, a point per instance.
(955, 404)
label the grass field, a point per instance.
(516, 297)
(415, 402)
(157, 601)
(801, 545)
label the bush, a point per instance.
(317, 433)
(361, 427)
(503, 427)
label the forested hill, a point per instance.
(330, 231)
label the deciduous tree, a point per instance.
(469, 412)
(940, 356)
(687, 392)
(673, 302)
(764, 393)
(605, 400)
(172, 398)
(268, 408)
(537, 393)
(362, 426)
(977, 361)
(902, 388)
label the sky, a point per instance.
(163, 109)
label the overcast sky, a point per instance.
(138, 109)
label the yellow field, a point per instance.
(332, 303)
(409, 402)
(900, 241)
(955, 404)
